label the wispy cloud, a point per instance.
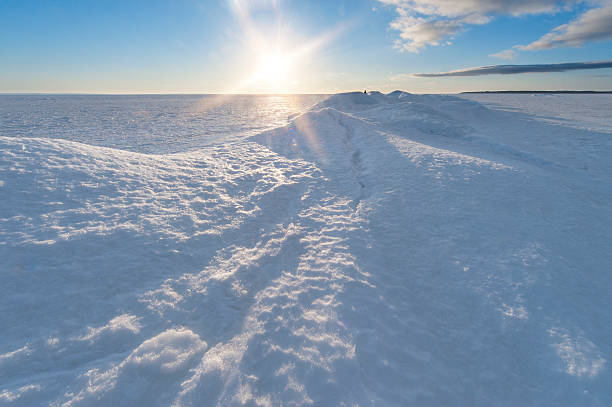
(423, 23)
(593, 25)
(515, 69)
(417, 32)
(507, 54)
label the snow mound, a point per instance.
(349, 101)
(145, 375)
(398, 94)
(359, 101)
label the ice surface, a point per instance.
(378, 250)
(150, 124)
(582, 111)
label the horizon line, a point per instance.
(295, 94)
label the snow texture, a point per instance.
(379, 250)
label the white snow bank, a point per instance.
(123, 322)
(145, 375)
(379, 250)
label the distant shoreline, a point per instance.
(543, 91)
(307, 94)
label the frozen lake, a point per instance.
(583, 111)
(147, 123)
(157, 124)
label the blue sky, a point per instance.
(297, 46)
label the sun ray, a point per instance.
(275, 58)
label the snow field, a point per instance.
(379, 250)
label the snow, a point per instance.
(377, 250)
(147, 123)
(582, 111)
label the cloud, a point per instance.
(593, 25)
(455, 8)
(515, 69)
(507, 54)
(416, 33)
(424, 23)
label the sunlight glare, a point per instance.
(274, 68)
(275, 62)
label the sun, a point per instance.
(274, 68)
(274, 57)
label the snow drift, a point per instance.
(379, 250)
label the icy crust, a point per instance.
(381, 250)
